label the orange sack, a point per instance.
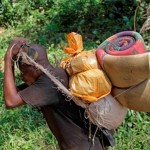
(75, 43)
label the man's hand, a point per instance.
(15, 46)
(11, 96)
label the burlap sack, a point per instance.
(125, 71)
(136, 97)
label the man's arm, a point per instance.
(11, 96)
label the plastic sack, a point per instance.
(90, 85)
(106, 112)
(83, 61)
(75, 43)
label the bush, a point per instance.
(48, 21)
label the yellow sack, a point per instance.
(83, 61)
(90, 85)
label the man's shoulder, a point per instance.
(61, 75)
(58, 74)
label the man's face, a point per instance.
(28, 73)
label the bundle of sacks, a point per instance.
(125, 60)
(107, 80)
(87, 80)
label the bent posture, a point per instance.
(65, 119)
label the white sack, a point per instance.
(107, 112)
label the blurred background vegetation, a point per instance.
(47, 22)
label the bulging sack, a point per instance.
(83, 61)
(125, 71)
(106, 112)
(136, 98)
(90, 85)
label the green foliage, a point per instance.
(47, 22)
(134, 134)
(12, 15)
(96, 17)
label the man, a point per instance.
(65, 119)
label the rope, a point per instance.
(127, 90)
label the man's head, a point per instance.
(30, 73)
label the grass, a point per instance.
(25, 129)
(134, 134)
